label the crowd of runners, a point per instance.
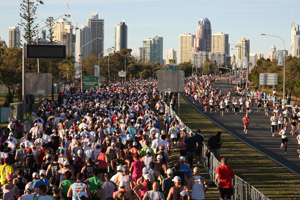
(111, 143)
(284, 120)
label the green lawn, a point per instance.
(267, 176)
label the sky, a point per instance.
(170, 18)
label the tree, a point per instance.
(11, 70)
(28, 17)
(187, 67)
(67, 69)
(89, 63)
(50, 22)
(209, 67)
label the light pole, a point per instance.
(125, 64)
(81, 60)
(108, 69)
(283, 89)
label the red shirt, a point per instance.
(225, 176)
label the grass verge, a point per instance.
(267, 176)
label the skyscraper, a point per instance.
(171, 54)
(153, 50)
(97, 32)
(243, 48)
(220, 43)
(186, 43)
(202, 40)
(121, 36)
(14, 37)
(84, 45)
(63, 33)
(296, 46)
(294, 31)
(140, 54)
(273, 53)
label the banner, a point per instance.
(280, 57)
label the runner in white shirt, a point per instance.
(284, 140)
(273, 121)
(173, 135)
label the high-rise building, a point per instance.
(220, 43)
(296, 46)
(171, 54)
(273, 53)
(84, 45)
(243, 48)
(232, 59)
(14, 37)
(186, 43)
(200, 57)
(140, 54)
(121, 36)
(153, 50)
(294, 31)
(63, 33)
(202, 41)
(97, 32)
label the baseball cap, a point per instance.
(163, 132)
(79, 152)
(119, 168)
(11, 134)
(177, 179)
(98, 144)
(148, 151)
(184, 193)
(29, 150)
(145, 170)
(76, 136)
(224, 160)
(42, 172)
(66, 163)
(61, 151)
(196, 170)
(182, 159)
(157, 135)
(9, 137)
(28, 186)
(134, 143)
(122, 184)
(159, 157)
(169, 171)
(113, 144)
(35, 175)
(147, 177)
(48, 156)
(89, 143)
(10, 176)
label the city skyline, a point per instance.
(238, 19)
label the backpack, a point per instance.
(211, 142)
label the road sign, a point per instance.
(268, 79)
(122, 74)
(38, 83)
(170, 81)
(89, 82)
(172, 66)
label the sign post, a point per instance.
(89, 82)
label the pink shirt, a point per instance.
(137, 167)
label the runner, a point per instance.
(293, 121)
(273, 121)
(211, 104)
(205, 101)
(222, 107)
(246, 121)
(284, 139)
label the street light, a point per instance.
(81, 59)
(108, 69)
(283, 89)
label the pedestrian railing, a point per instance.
(242, 189)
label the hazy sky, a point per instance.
(170, 18)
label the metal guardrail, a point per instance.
(242, 189)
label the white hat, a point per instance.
(128, 136)
(159, 157)
(83, 194)
(11, 133)
(134, 143)
(79, 152)
(66, 163)
(113, 144)
(148, 151)
(122, 184)
(184, 193)
(42, 172)
(157, 135)
(98, 144)
(10, 138)
(145, 170)
(182, 159)
(48, 156)
(177, 179)
(119, 168)
(169, 171)
(89, 143)
(147, 177)
(35, 175)
(196, 170)
(28, 187)
(162, 132)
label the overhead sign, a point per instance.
(172, 66)
(245, 63)
(89, 82)
(38, 83)
(122, 74)
(239, 63)
(268, 79)
(170, 81)
(45, 51)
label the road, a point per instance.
(259, 134)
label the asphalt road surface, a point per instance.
(259, 133)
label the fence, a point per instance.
(242, 189)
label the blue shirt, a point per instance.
(186, 170)
(41, 182)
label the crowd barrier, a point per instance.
(242, 189)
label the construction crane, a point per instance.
(75, 25)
